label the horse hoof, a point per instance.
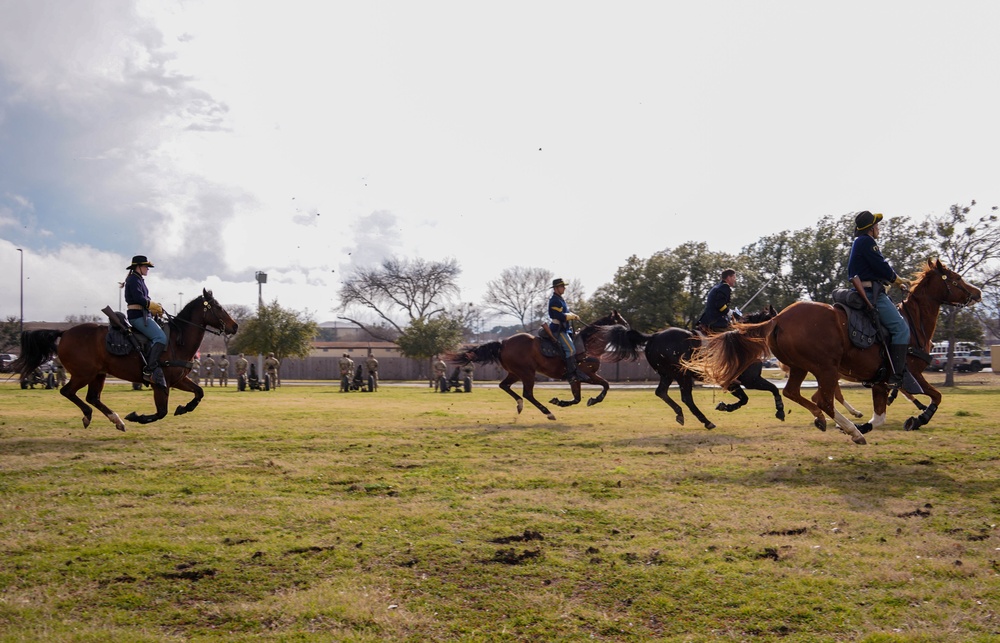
(780, 415)
(550, 416)
(592, 402)
(721, 406)
(860, 440)
(680, 420)
(857, 414)
(865, 428)
(86, 422)
(911, 424)
(820, 424)
(710, 426)
(132, 417)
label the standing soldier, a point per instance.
(346, 365)
(60, 372)
(195, 370)
(223, 371)
(271, 369)
(439, 370)
(241, 373)
(208, 366)
(372, 364)
(468, 370)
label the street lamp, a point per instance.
(180, 302)
(261, 279)
(22, 288)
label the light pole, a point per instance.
(180, 302)
(261, 280)
(22, 289)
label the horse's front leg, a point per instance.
(686, 383)
(597, 379)
(186, 384)
(574, 388)
(505, 386)
(160, 396)
(741, 399)
(529, 394)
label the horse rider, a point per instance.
(562, 329)
(140, 312)
(871, 274)
(717, 314)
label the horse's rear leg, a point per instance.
(69, 391)
(505, 386)
(839, 394)
(793, 392)
(188, 385)
(160, 396)
(94, 397)
(529, 394)
(827, 386)
(662, 392)
(597, 379)
(687, 386)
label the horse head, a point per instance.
(947, 286)
(215, 316)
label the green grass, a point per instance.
(304, 514)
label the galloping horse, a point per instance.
(82, 351)
(665, 351)
(521, 356)
(811, 337)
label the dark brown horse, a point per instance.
(811, 337)
(82, 351)
(665, 351)
(522, 357)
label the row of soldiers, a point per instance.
(207, 369)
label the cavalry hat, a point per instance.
(140, 260)
(865, 220)
(558, 282)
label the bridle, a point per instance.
(958, 283)
(208, 307)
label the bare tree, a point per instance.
(398, 288)
(972, 249)
(521, 293)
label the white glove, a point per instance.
(572, 317)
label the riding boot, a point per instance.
(900, 378)
(153, 373)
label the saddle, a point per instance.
(122, 340)
(861, 322)
(551, 347)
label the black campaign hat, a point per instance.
(558, 282)
(140, 260)
(865, 220)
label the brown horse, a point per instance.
(811, 337)
(522, 357)
(82, 351)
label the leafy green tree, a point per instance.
(274, 329)
(668, 289)
(10, 334)
(425, 338)
(763, 267)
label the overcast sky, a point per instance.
(303, 139)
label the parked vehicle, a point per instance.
(5, 360)
(971, 361)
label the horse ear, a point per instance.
(206, 293)
(938, 265)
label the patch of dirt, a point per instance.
(527, 536)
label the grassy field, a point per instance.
(305, 514)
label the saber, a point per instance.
(760, 290)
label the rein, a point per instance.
(208, 329)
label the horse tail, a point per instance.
(485, 354)
(37, 346)
(723, 357)
(624, 344)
